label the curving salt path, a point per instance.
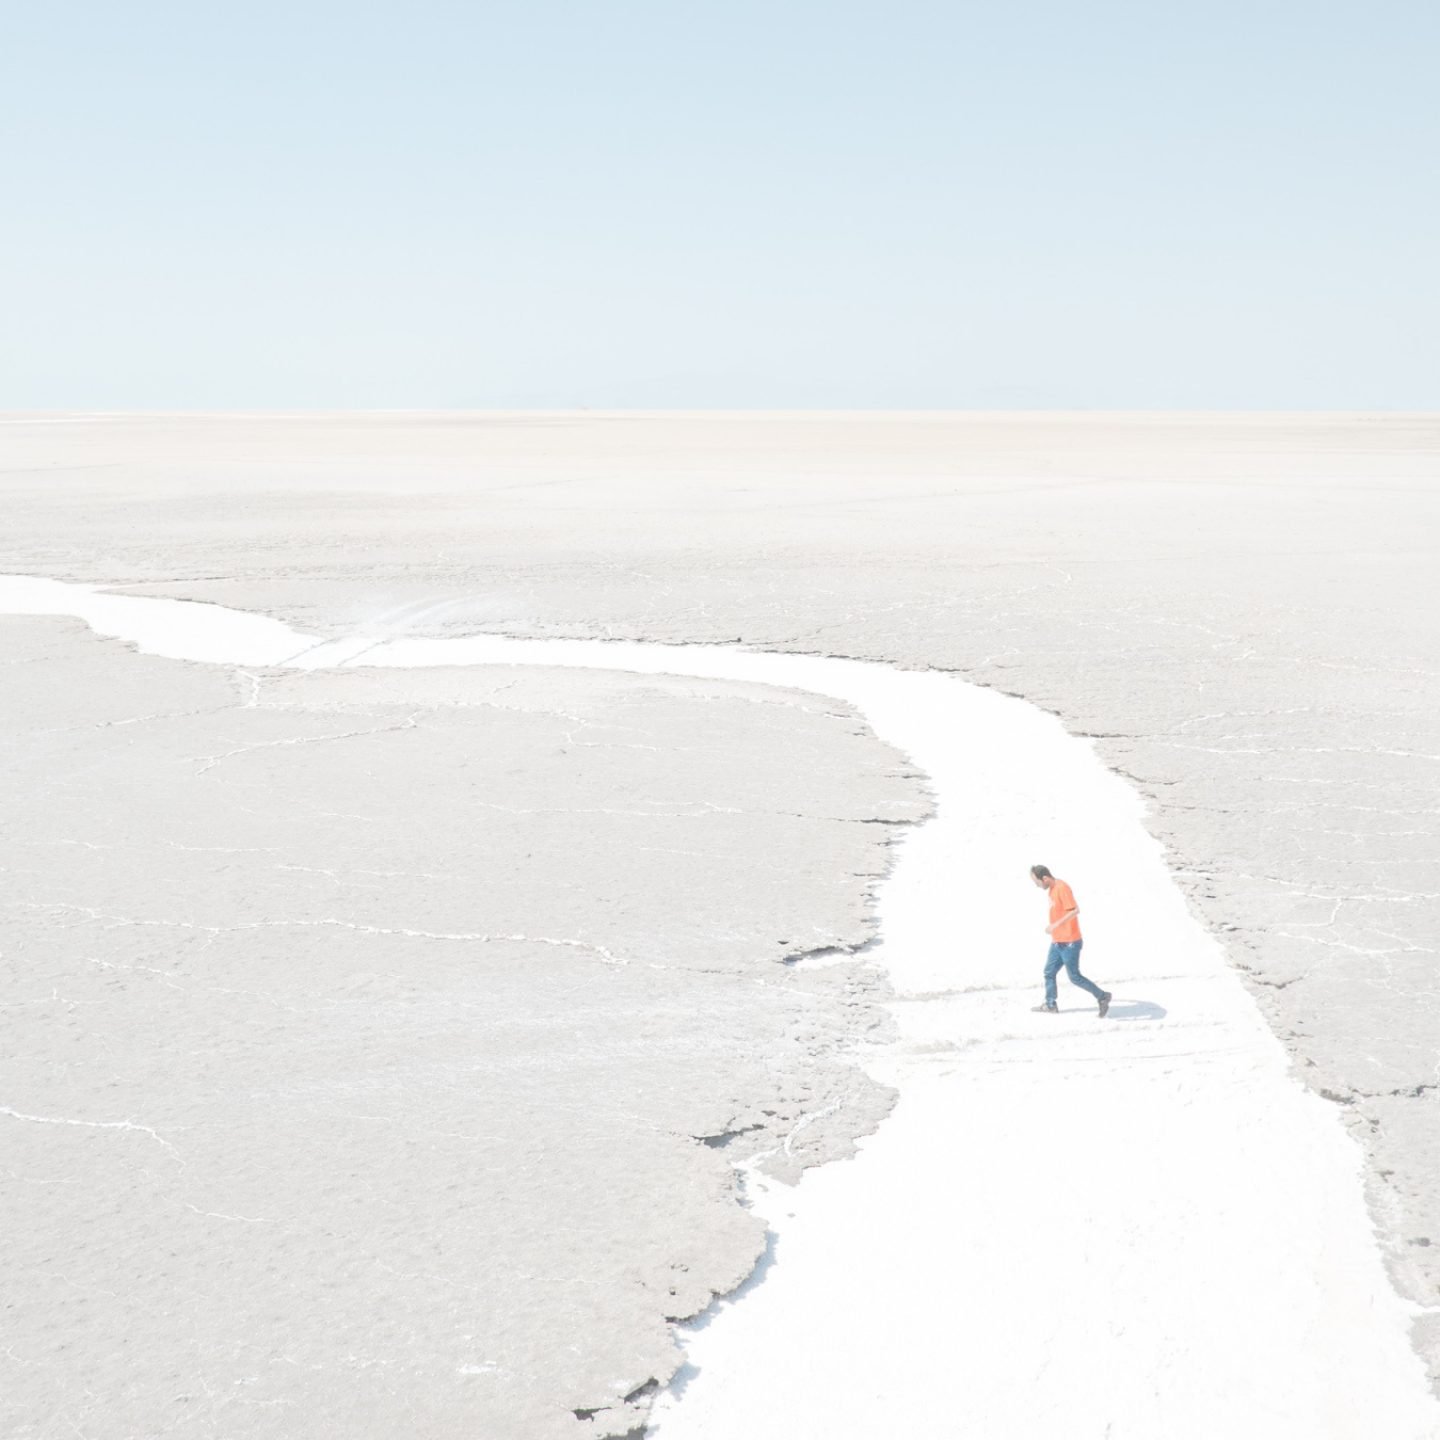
(1141, 1227)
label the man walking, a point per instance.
(1065, 942)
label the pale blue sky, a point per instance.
(735, 204)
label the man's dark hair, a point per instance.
(1040, 871)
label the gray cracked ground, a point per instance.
(378, 1044)
(1242, 611)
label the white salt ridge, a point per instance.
(1138, 1227)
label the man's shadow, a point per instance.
(1136, 1010)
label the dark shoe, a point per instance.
(1105, 999)
(1046, 1009)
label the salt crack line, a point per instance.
(603, 952)
(410, 722)
(608, 956)
(808, 1120)
(87, 1124)
(220, 1215)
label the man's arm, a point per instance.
(1070, 914)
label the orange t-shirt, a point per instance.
(1062, 898)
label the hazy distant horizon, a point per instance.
(303, 412)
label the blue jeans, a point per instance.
(1069, 957)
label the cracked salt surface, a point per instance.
(1137, 1228)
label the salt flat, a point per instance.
(1238, 611)
(378, 1045)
